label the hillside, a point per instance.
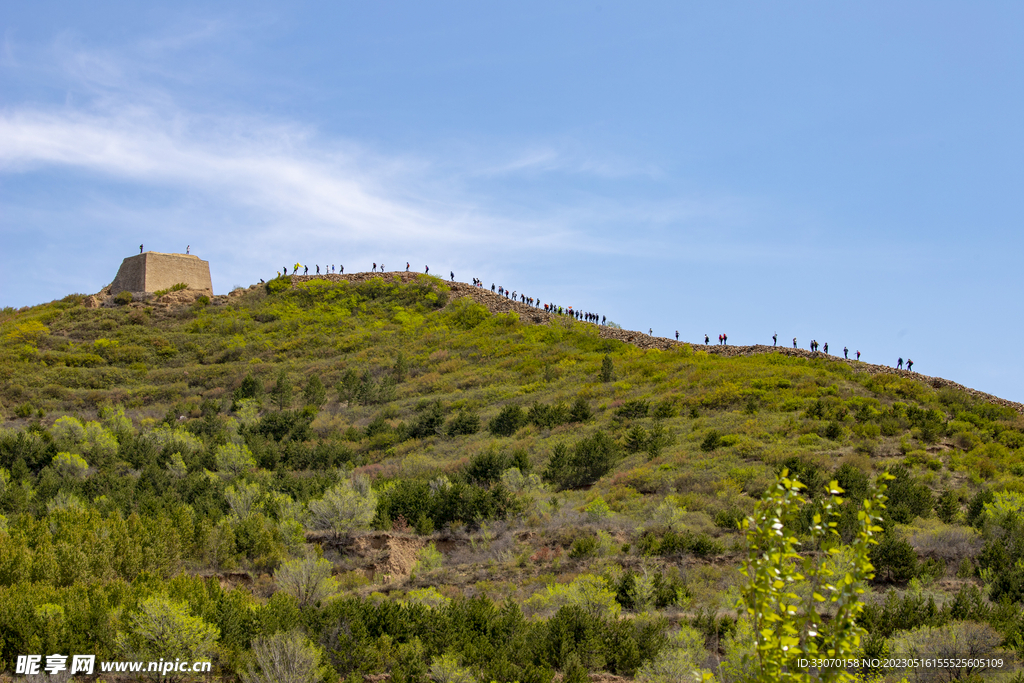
(487, 491)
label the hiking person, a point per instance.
(342, 269)
(295, 270)
(794, 342)
(451, 274)
(603, 320)
(826, 347)
(318, 269)
(899, 363)
(775, 339)
(285, 271)
(492, 286)
(725, 339)
(427, 271)
(650, 330)
(407, 266)
(910, 364)
(677, 335)
(187, 247)
(706, 340)
(382, 267)
(374, 269)
(140, 248)
(846, 352)
(306, 270)
(858, 354)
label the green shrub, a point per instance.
(583, 547)
(909, 497)
(607, 368)
(580, 411)
(464, 422)
(634, 409)
(279, 284)
(587, 461)
(251, 388)
(174, 288)
(430, 421)
(712, 441)
(508, 421)
(123, 298)
(894, 559)
(315, 394)
(486, 468)
(665, 410)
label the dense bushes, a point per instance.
(363, 638)
(587, 461)
(442, 503)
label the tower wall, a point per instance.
(152, 271)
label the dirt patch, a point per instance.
(399, 552)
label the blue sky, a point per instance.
(849, 173)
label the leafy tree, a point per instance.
(969, 644)
(70, 465)
(308, 580)
(784, 625)
(165, 629)
(345, 507)
(234, 459)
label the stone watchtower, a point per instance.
(152, 271)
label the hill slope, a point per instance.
(514, 454)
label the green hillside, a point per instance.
(402, 479)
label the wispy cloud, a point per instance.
(282, 181)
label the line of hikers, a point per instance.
(341, 269)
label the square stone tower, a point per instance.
(152, 271)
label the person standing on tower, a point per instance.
(775, 339)
(140, 248)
